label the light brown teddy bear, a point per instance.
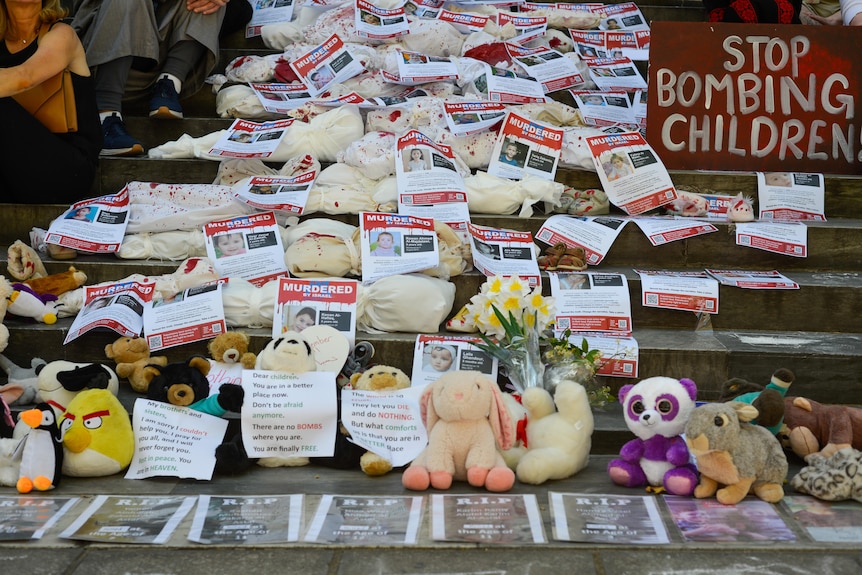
(132, 354)
(232, 347)
(379, 378)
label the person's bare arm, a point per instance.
(58, 49)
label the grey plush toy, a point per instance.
(732, 452)
(22, 383)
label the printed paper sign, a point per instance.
(302, 303)
(505, 253)
(692, 291)
(247, 520)
(289, 414)
(660, 231)
(596, 234)
(790, 197)
(497, 518)
(631, 44)
(464, 22)
(174, 441)
(366, 520)
(376, 23)
(246, 139)
(415, 68)
(246, 247)
(526, 27)
(325, 65)
(281, 98)
(268, 12)
(526, 147)
(753, 279)
(97, 225)
(23, 517)
(463, 118)
(435, 355)
(621, 519)
(423, 8)
(499, 85)
(620, 355)
(550, 67)
(615, 74)
(396, 244)
(590, 301)
(604, 108)
(429, 184)
(130, 519)
(192, 315)
(789, 239)
(278, 193)
(118, 306)
(387, 423)
(631, 173)
(623, 16)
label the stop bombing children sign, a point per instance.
(755, 97)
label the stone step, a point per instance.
(828, 301)
(826, 364)
(835, 245)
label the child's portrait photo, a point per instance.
(438, 357)
(230, 244)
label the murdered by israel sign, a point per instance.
(755, 97)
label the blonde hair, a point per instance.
(51, 12)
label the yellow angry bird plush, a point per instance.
(97, 435)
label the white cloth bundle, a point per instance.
(167, 207)
(246, 305)
(280, 35)
(338, 21)
(565, 19)
(487, 194)
(432, 37)
(325, 248)
(252, 68)
(240, 101)
(174, 246)
(413, 303)
(576, 153)
(342, 189)
(373, 155)
(322, 136)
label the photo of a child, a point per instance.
(385, 245)
(231, 244)
(299, 319)
(438, 357)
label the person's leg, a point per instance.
(109, 83)
(37, 166)
(181, 59)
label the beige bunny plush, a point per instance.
(732, 452)
(467, 422)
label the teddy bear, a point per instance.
(769, 400)
(382, 379)
(231, 347)
(656, 411)
(185, 384)
(558, 434)
(733, 453)
(811, 427)
(132, 355)
(467, 422)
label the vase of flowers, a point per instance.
(567, 360)
(511, 318)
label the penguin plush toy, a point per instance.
(41, 451)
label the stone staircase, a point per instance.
(814, 331)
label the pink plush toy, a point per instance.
(656, 411)
(467, 422)
(741, 209)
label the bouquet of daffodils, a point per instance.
(510, 317)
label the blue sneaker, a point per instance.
(165, 102)
(117, 141)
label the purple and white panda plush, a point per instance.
(656, 411)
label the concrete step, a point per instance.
(826, 364)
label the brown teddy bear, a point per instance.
(232, 347)
(813, 427)
(132, 354)
(380, 378)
